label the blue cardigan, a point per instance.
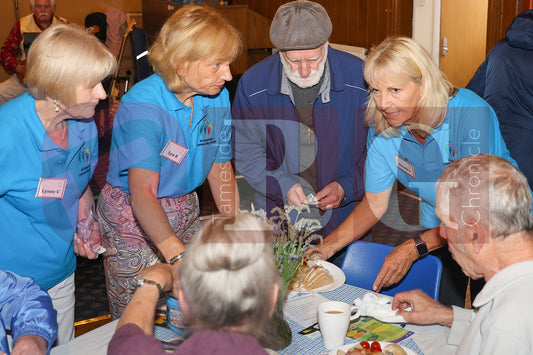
(266, 148)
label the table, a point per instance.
(93, 342)
(428, 340)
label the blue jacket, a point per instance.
(505, 81)
(266, 144)
(25, 308)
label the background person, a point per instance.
(493, 241)
(298, 118)
(419, 124)
(13, 52)
(227, 286)
(48, 153)
(26, 310)
(171, 132)
(505, 81)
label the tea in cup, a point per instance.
(333, 320)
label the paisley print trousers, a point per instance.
(128, 249)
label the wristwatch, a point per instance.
(421, 247)
(142, 282)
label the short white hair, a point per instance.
(52, 2)
(228, 273)
(486, 189)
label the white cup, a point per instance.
(333, 320)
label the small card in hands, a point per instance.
(310, 200)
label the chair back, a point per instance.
(363, 262)
(139, 47)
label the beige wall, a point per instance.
(74, 10)
(426, 26)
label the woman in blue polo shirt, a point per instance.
(419, 123)
(48, 152)
(171, 132)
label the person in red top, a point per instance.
(13, 51)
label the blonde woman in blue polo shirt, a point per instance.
(418, 124)
(172, 131)
(48, 152)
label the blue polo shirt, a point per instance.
(470, 127)
(36, 233)
(150, 117)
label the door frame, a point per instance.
(426, 15)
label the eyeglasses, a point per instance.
(300, 62)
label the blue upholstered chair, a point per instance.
(364, 260)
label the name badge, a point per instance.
(51, 188)
(404, 166)
(174, 152)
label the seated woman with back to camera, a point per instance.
(227, 287)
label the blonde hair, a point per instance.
(193, 33)
(397, 56)
(228, 273)
(64, 57)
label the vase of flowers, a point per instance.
(292, 235)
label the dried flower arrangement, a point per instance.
(292, 236)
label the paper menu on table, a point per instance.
(370, 329)
(303, 309)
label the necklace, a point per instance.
(64, 130)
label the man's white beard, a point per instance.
(312, 79)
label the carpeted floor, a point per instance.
(91, 295)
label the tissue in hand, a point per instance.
(379, 307)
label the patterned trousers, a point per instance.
(128, 249)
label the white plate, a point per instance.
(383, 344)
(335, 271)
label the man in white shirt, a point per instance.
(485, 206)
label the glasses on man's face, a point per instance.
(43, 6)
(300, 62)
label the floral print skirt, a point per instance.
(128, 249)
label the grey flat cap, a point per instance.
(300, 24)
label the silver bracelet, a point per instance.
(176, 258)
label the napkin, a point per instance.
(379, 307)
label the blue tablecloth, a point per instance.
(302, 344)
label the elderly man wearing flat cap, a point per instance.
(298, 116)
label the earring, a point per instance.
(56, 106)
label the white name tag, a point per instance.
(404, 166)
(174, 152)
(51, 188)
